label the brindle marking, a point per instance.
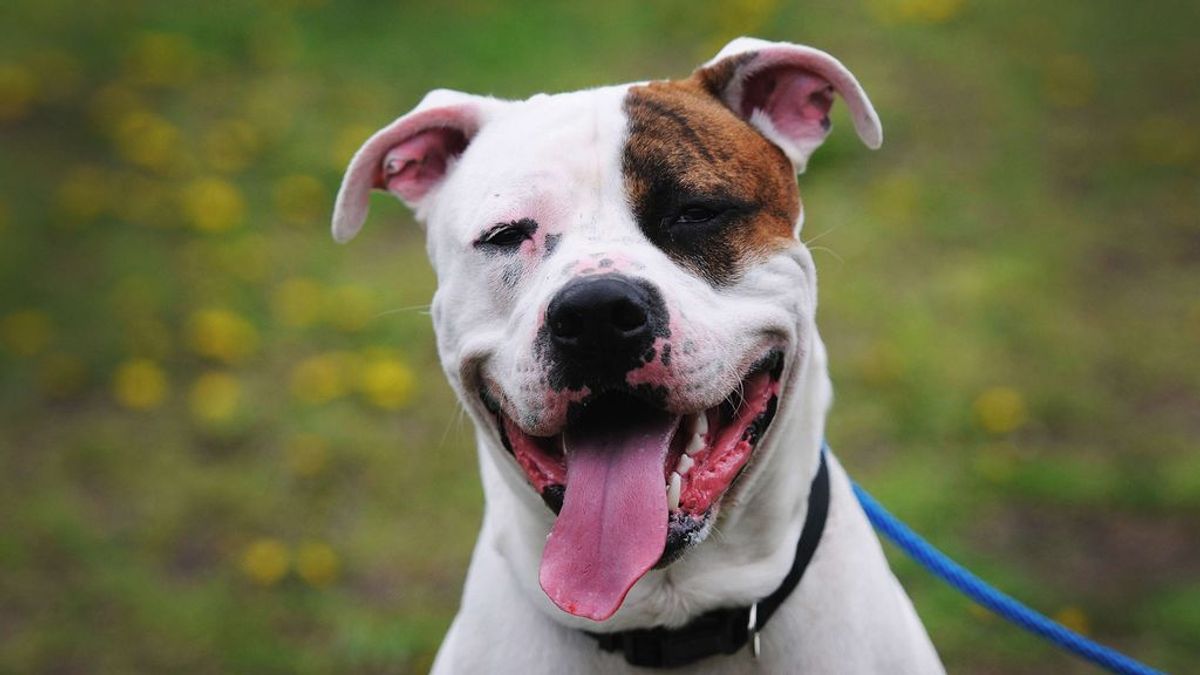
(689, 155)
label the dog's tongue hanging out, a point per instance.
(613, 524)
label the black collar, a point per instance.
(725, 631)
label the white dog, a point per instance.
(626, 310)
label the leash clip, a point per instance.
(752, 629)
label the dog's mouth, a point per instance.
(634, 485)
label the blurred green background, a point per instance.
(227, 445)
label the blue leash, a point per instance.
(981, 592)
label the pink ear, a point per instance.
(786, 91)
(795, 101)
(408, 158)
(417, 163)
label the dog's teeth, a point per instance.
(700, 427)
(695, 444)
(673, 491)
(685, 464)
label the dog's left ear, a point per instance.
(785, 91)
(410, 157)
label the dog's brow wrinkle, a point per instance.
(676, 118)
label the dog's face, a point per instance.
(622, 295)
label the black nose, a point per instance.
(606, 318)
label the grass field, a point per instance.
(225, 441)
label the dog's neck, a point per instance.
(743, 559)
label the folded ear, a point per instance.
(786, 91)
(409, 157)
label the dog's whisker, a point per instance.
(455, 421)
(830, 251)
(424, 309)
(716, 533)
(819, 236)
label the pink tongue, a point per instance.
(613, 524)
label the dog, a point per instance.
(626, 310)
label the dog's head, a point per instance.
(622, 293)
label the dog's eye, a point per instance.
(507, 235)
(690, 215)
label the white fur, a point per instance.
(558, 159)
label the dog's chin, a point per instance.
(708, 449)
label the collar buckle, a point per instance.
(752, 631)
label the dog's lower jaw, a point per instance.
(759, 523)
(849, 614)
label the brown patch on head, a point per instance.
(716, 77)
(705, 186)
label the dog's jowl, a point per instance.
(626, 310)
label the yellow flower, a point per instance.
(214, 397)
(296, 302)
(387, 382)
(161, 59)
(321, 378)
(306, 455)
(213, 204)
(84, 193)
(317, 564)
(62, 375)
(350, 307)
(221, 335)
(18, 89)
(266, 561)
(140, 384)
(231, 145)
(27, 332)
(148, 140)
(1074, 618)
(1000, 410)
(300, 200)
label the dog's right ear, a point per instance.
(786, 91)
(409, 157)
